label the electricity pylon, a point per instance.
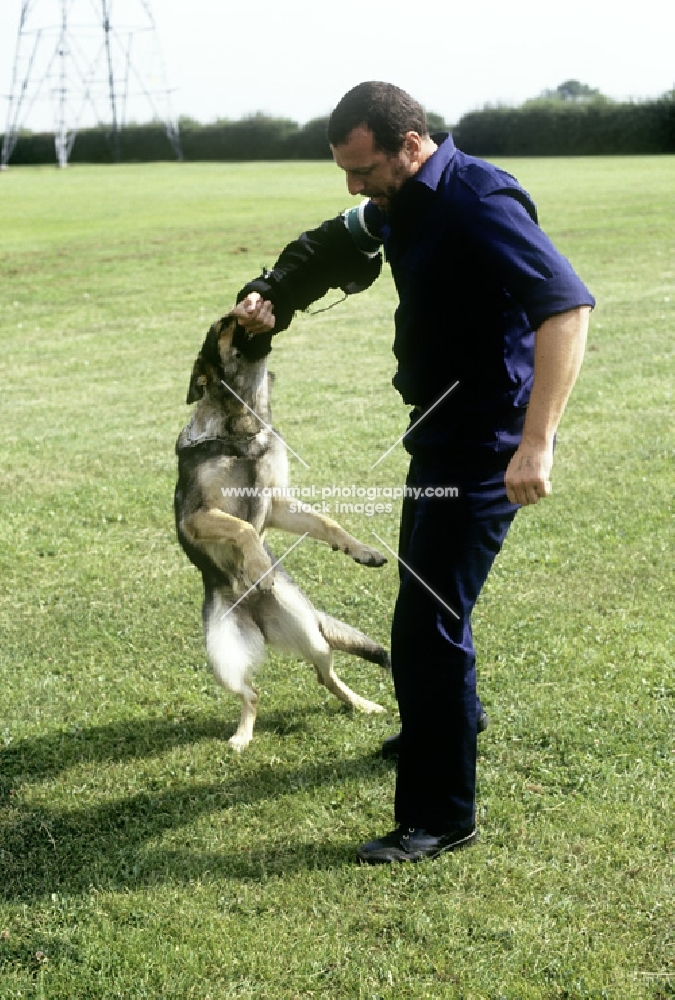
(92, 62)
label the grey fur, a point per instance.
(248, 600)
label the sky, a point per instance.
(296, 58)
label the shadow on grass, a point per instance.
(43, 757)
(47, 850)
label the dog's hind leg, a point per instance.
(291, 623)
(325, 674)
(235, 647)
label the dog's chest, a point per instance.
(231, 483)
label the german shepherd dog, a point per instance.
(249, 600)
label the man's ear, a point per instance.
(198, 381)
(412, 146)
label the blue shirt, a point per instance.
(476, 276)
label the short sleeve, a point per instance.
(507, 238)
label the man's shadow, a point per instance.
(46, 850)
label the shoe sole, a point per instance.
(458, 845)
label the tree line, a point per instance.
(570, 129)
(572, 120)
(256, 137)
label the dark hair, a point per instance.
(387, 111)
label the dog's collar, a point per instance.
(217, 446)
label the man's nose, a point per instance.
(355, 185)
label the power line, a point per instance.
(89, 62)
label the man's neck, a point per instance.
(428, 149)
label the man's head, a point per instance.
(379, 137)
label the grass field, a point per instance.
(139, 856)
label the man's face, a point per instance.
(371, 172)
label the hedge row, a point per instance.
(556, 129)
(569, 130)
(255, 138)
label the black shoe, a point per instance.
(391, 745)
(414, 844)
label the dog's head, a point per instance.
(227, 354)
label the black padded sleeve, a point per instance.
(319, 259)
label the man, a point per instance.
(490, 334)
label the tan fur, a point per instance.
(249, 601)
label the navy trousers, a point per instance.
(450, 545)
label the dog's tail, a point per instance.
(339, 635)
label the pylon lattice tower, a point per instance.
(92, 62)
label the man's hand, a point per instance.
(255, 314)
(558, 351)
(527, 476)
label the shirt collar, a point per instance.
(431, 171)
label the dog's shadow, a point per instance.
(68, 849)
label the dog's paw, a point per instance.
(239, 741)
(257, 571)
(365, 555)
(265, 583)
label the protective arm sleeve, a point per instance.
(323, 258)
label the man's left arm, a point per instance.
(558, 352)
(340, 253)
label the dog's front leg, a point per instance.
(288, 515)
(214, 526)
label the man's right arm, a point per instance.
(341, 253)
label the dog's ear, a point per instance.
(198, 381)
(210, 349)
(208, 359)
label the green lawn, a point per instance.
(139, 856)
